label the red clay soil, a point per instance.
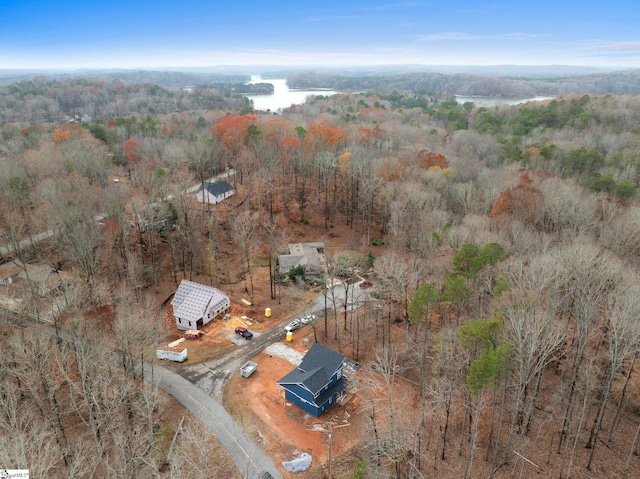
(283, 429)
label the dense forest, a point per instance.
(507, 244)
(507, 85)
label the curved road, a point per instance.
(5, 250)
(199, 387)
(212, 375)
(250, 460)
(248, 457)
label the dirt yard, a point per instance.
(257, 403)
(282, 429)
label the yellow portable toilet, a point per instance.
(267, 312)
(289, 336)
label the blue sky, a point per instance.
(151, 34)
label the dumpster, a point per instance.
(172, 354)
(248, 369)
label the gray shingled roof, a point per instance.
(316, 368)
(304, 254)
(217, 188)
(192, 299)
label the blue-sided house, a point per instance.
(317, 383)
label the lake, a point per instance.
(496, 101)
(283, 96)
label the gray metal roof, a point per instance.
(193, 299)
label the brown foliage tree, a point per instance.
(60, 135)
(233, 131)
(430, 160)
(321, 136)
(523, 201)
(131, 150)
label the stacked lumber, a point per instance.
(192, 334)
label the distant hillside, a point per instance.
(616, 82)
(163, 78)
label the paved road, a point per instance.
(212, 375)
(5, 250)
(250, 460)
(199, 387)
(248, 457)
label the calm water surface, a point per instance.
(495, 101)
(283, 96)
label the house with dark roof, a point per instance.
(196, 304)
(308, 255)
(317, 383)
(10, 271)
(213, 193)
(38, 275)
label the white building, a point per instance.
(195, 304)
(213, 193)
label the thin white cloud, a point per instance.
(465, 37)
(619, 47)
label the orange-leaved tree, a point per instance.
(364, 135)
(524, 201)
(232, 131)
(321, 136)
(288, 145)
(431, 160)
(60, 135)
(131, 150)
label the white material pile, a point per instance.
(285, 352)
(299, 464)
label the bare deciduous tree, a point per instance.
(243, 227)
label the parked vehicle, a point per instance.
(292, 326)
(310, 318)
(244, 332)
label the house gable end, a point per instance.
(193, 302)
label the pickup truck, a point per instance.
(244, 332)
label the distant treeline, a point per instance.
(240, 88)
(41, 100)
(166, 79)
(619, 83)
